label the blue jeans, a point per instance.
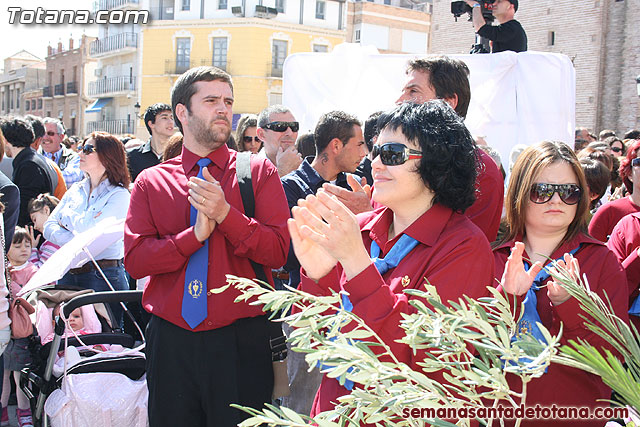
(93, 280)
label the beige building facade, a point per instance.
(67, 78)
(391, 26)
(23, 76)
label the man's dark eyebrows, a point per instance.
(229, 98)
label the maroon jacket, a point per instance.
(452, 254)
(561, 385)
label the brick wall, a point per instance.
(600, 36)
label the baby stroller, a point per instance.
(106, 385)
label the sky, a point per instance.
(35, 38)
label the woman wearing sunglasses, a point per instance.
(424, 171)
(610, 213)
(547, 207)
(101, 194)
(246, 136)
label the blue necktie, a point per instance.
(530, 315)
(400, 249)
(528, 323)
(194, 299)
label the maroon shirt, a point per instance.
(624, 243)
(487, 209)
(452, 253)
(158, 239)
(608, 215)
(563, 385)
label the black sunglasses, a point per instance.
(282, 126)
(394, 153)
(616, 149)
(249, 139)
(635, 162)
(51, 133)
(88, 148)
(542, 193)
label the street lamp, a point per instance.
(136, 112)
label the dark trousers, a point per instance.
(193, 377)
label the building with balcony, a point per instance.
(24, 74)
(248, 39)
(65, 92)
(392, 26)
(114, 88)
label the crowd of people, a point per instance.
(371, 208)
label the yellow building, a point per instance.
(252, 50)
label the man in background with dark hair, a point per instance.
(632, 134)
(158, 119)
(186, 228)
(448, 79)
(31, 173)
(370, 135)
(508, 34)
(340, 148)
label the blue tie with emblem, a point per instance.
(194, 299)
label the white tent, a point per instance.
(519, 98)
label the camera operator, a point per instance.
(509, 34)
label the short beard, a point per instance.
(206, 135)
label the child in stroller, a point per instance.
(91, 387)
(82, 321)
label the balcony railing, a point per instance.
(72, 88)
(274, 69)
(58, 90)
(46, 92)
(112, 85)
(161, 13)
(114, 43)
(210, 62)
(114, 127)
(113, 4)
(177, 67)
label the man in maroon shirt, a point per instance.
(448, 79)
(195, 372)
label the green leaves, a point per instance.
(468, 343)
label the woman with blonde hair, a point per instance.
(547, 206)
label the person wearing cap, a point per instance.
(508, 34)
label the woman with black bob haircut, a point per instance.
(450, 169)
(424, 170)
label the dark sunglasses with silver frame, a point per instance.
(542, 192)
(88, 149)
(282, 126)
(394, 153)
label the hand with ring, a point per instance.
(207, 196)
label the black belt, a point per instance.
(90, 266)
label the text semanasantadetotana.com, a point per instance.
(552, 412)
